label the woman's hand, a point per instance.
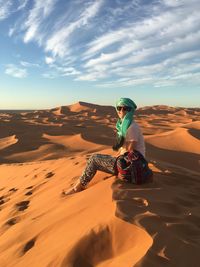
(130, 146)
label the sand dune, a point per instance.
(179, 140)
(82, 106)
(181, 112)
(44, 152)
(193, 125)
(51, 222)
(111, 223)
(8, 141)
(60, 110)
(73, 143)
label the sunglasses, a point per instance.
(124, 108)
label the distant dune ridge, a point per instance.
(110, 223)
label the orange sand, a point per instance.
(110, 223)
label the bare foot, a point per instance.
(75, 189)
(68, 192)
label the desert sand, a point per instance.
(111, 223)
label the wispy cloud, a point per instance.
(5, 7)
(94, 76)
(60, 71)
(58, 42)
(177, 3)
(49, 60)
(143, 48)
(15, 71)
(22, 4)
(67, 71)
(128, 42)
(28, 64)
(9, 7)
(40, 11)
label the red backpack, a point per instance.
(133, 167)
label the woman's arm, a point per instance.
(130, 146)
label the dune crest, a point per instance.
(63, 110)
(8, 141)
(82, 106)
(193, 125)
(44, 152)
(112, 247)
(72, 143)
(179, 140)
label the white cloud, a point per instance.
(164, 83)
(93, 76)
(187, 76)
(11, 31)
(5, 7)
(40, 11)
(177, 3)
(49, 60)
(172, 3)
(58, 42)
(60, 71)
(174, 47)
(144, 34)
(104, 41)
(15, 71)
(67, 71)
(123, 51)
(149, 47)
(127, 82)
(8, 7)
(134, 33)
(28, 64)
(22, 4)
(153, 47)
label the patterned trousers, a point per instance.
(97, 162)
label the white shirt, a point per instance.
(134, 134)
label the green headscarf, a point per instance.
(123, 124)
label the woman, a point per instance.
(129, 137)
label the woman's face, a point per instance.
(122, 110)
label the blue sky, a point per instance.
(57, 52)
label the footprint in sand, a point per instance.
(2, 201)
(28, 245)
(13, 189)
(9, 223)
(29, 193)
(49, 175)
(29, 187)
(23, 205)
(12, 221)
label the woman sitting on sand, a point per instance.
(129, 138)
